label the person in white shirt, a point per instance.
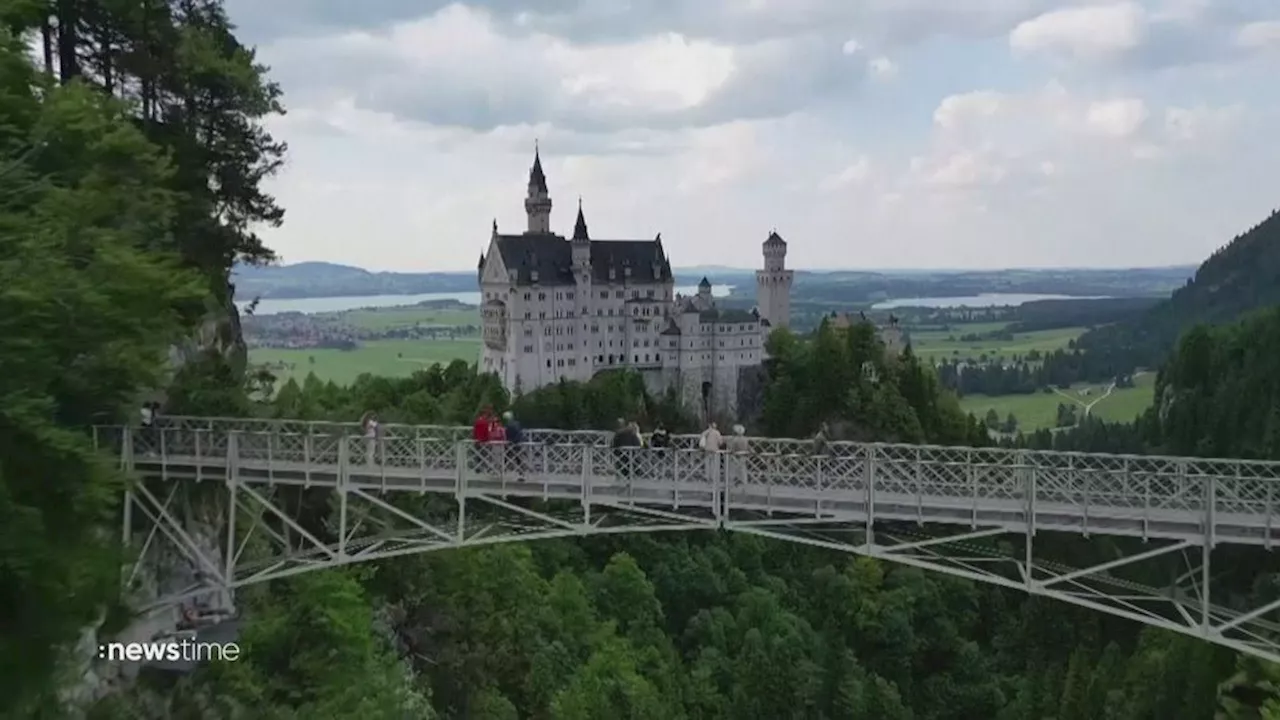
(369, 423)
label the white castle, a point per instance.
(556, 307)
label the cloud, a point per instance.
(875, 134)
(1148, 35)
(457, 67)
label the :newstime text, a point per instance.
(171, 651)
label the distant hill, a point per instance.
(322, 279)
(1242, 276)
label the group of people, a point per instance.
(492, 428)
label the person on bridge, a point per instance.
(498, 440)
(659, 439)
(480, 429)
(369, 425)
(626, 441)
(515, 438)
(481, 433)
(738, 447)
(711, 440)
(820, 440)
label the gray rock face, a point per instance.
(219, 331)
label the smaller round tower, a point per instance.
(773, 283)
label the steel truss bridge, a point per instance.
(970, 512)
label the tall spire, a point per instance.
(580, 227)
(537, 204)
(537, 180)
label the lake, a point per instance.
(273, 306)
(977, 301)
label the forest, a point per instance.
(117, 249)
(1239, 277)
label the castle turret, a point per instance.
(581, 247)
(773, 283)
(537, 205)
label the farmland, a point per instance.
(1040, 409)
(393, 358)
(938, 344)
(340, 346)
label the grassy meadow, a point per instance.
(938, 344)
(392, 357)
(1040, 410)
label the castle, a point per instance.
(556, 307)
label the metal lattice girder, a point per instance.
(314, 495)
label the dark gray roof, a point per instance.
(552, 257)
(727, 315)
(775, 239)
(580, 226)
(536, 177)
(705, 282)
(671, 329)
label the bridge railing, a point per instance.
(1136, 483)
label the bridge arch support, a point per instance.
(287, 503)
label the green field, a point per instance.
(938, 344)
(1040, 410)
(405, 316)
(395, 358)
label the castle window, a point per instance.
(528, 348)
(542, 316)
(618, 294)
(548, 363)
(649, 293)
(637, 359)
(526, 296)
(542, 296)
(604, 294)
(569, 295)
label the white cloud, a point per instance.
(1083, 32)
(1116, 118)
(712, 123)
(1262, 34)
(882, 67)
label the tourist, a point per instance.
(739, 447)
(820, 440)
(498, 441)
(369, 426)
(660, 439)
(710, 441)
(515, 438)
(480, 435)
(626, 440)
(148, 433)
(483, 424)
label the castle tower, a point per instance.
(773, 283)
(537, 205)
(704, 300)
(581, 247)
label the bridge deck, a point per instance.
(923, 490)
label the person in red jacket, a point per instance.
(481, 460)
(484, 421)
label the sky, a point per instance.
(869, 134)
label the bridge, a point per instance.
(311, 495)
